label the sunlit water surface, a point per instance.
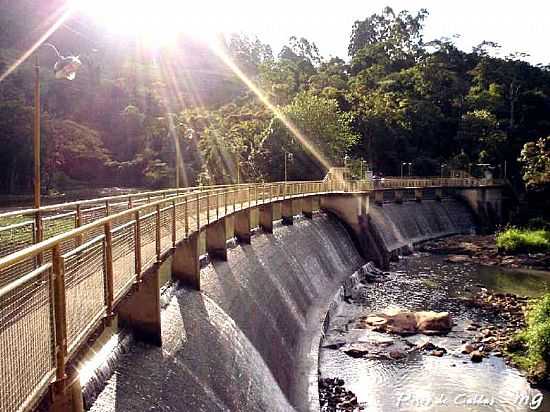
(421, 382)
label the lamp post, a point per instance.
(288, 156)
(443, 165)
(405, 164)
(238, 172)
(410, 168)
(64, 68)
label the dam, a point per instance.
(244, 276)
(249, 340)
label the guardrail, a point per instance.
(53, 293)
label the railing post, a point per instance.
(248, 200)
(78, 223)
(198, 210)
(38, 235)
(109, 271)
(207, 207)
(225, 202)
(185, 210)
(60, 312)
(107, 208)
(130, 202)
(173, 223)
(137, 246)
(217, 205)
(157, 233)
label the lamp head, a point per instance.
(66, 67)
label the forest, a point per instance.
(397, 97)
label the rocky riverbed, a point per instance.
(482, 250)
(366, 367)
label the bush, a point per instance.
(531, 347)
(514, 240)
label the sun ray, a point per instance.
(300, 137)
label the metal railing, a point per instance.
(68, 265)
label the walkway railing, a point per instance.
(63, 268)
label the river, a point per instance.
(420, 381)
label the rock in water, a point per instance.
(431, 323)
(476, 356)
(406, 323)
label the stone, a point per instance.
(467, 348)
(395, 354)
(433, 322)
(476, 356)
(356, 350)
(459, 258)
(407, 323)
(438, 352)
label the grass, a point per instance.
(530, 348)
(515, 240)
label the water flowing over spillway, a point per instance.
(401, 225)
(239, 344)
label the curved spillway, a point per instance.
(405, 224)
(242, 343)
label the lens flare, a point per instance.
(300, 137)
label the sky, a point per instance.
(519, 26)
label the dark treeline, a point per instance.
(396, 98)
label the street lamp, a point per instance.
(405, 164)
(443, 165)
(179, 161)
(362, 164)
(64, 68)
(288, 156)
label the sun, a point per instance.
(156, 22)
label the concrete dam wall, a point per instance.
(401, 225)
(244, 342)
(249, 340)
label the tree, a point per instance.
(325, 128)
(535, 157)
(395, 39)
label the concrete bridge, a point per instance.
(68, 270)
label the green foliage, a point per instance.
(514, 240)
(325, 134)
(396, 99)
(535, 157)
(533, 343)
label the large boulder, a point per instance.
(407, 323)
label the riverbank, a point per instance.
(483, 250)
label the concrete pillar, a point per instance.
(287, 212)
(243, 226)
(266, 218)
(66, 395)
(398, 196)
(438, 194)
(186, 262)
(379, 197)
(140, 311)
(418, 194)
(307, 207)
(216, 240)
